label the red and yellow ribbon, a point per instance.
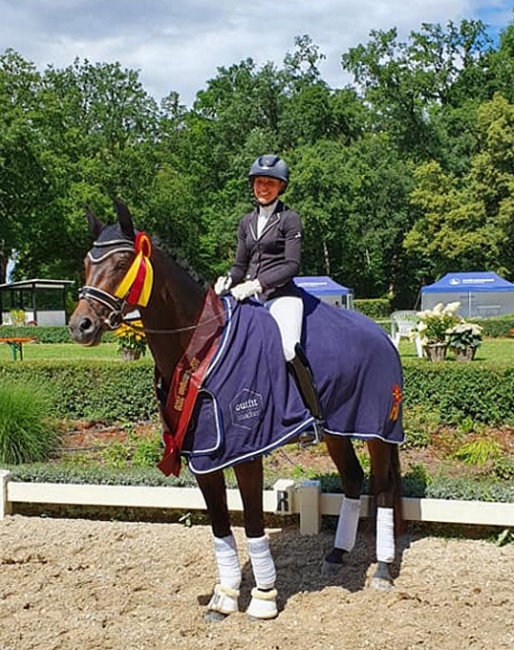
(137, 284)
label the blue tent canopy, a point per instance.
(481, 293)
(472, 281)
(326, 289)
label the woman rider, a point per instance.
(267, 259)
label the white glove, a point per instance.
(246, 289)
(223, 284)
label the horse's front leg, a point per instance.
(224, 600)
(350, 471)
(263, 604)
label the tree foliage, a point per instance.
(405, 173)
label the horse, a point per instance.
(186, 326)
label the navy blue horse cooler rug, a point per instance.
(248, 403)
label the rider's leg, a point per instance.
(288, 313)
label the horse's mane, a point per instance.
(173, 251)
(170, 250)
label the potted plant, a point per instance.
(433, 329)
(132, 341)
(464, 340)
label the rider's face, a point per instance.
(266, 189)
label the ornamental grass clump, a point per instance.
(435, 324)
(27, 434)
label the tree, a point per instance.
(404, 82)
(465, 223)
(23, 177)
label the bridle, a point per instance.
(115, 318)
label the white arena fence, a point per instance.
(286, 498)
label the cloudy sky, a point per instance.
(179, 44)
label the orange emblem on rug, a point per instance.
(397, 398)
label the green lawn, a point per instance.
(37, 351)
(495, 350)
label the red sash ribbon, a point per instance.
(187, 381)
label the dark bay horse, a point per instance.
(186, 327)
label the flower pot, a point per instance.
(464, 355)
(130, 355)
(436, 351)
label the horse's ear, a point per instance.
(125, 219)
(95, 225)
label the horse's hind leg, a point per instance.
(345, 459)
(224, 600)
(385, 480)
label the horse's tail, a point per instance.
(396, 480)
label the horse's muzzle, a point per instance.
(85, 330)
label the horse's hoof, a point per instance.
(263, 605)
(382, 580)
(214, 617)
(381, 584)
(331, 569)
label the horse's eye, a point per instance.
(122, 264)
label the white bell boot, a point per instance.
(263, 605)
(224, 600)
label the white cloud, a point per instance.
(178, 45)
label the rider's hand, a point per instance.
(246, 290)
(223, 284)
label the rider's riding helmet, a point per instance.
(272, 166)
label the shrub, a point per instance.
(147, 452)
(26, 431)
(376, 308)
(44, 334)
(92, 390)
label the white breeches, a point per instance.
(288, 314)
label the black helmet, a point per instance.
(270, 165)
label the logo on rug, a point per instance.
(246, 409)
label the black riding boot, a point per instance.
(304, 379)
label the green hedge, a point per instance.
(114, 391)
(93, 390)
(482, 392)
(50, 334)
(375, 308)
(496, 326)
(53, 334)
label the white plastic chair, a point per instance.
(402, 324)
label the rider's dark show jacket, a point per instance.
(274, 257)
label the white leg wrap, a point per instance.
(262, 563)
(229, 569)
(263, 604)
(347, 524)
(385, 535)
(224, 600)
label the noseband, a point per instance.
(92, 294)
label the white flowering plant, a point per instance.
(434, 325)
(465, 335)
